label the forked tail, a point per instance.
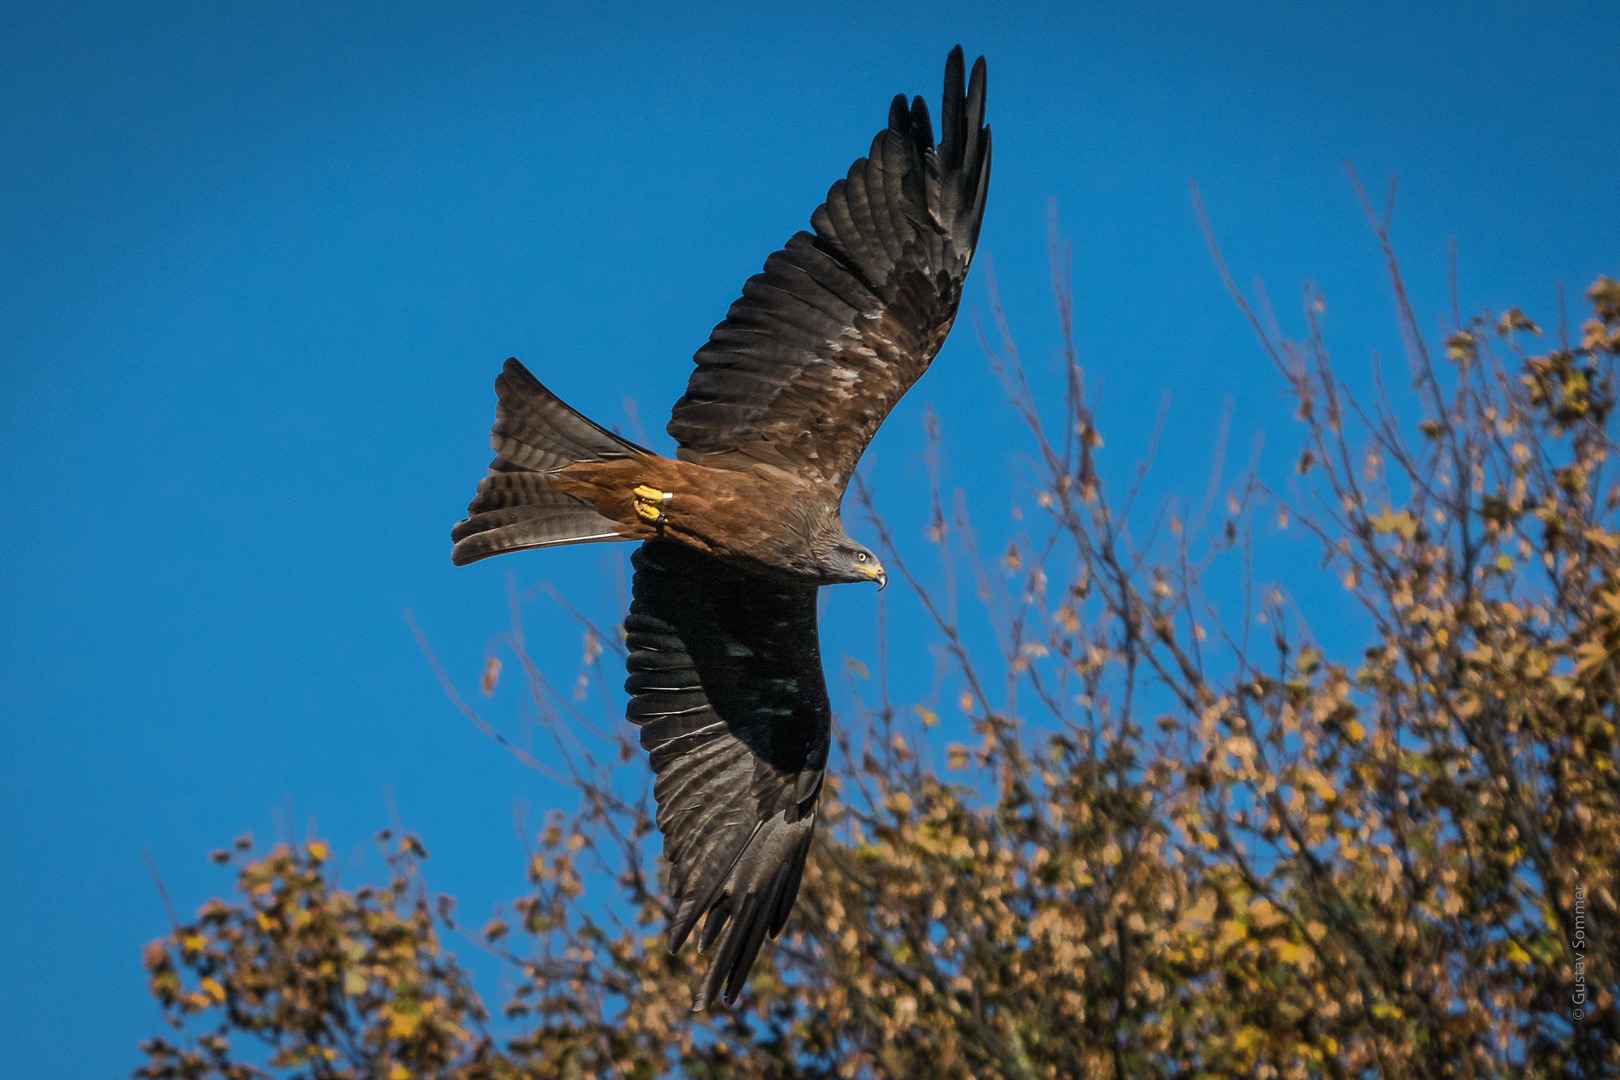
(535, 434)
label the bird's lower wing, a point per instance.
(726, 685)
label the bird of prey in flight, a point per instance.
(742, 526)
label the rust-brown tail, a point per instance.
(535, 434)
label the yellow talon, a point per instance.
(650, 503)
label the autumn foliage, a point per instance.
(1183, 839)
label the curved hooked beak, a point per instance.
(877, 574)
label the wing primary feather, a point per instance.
(952, 122)
(914, 180)
(922, 126)
(899, 119)
(888, 163)
(975, 116)
(738, 925)
(977, 215)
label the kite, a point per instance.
(741, 528)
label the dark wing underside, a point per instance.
(843, 320)
(726, 685)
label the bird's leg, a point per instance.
(650, 503)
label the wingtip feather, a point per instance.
(899, 116)
(922, 125)
(952, 122)
(974, 120)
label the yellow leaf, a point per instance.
(1402, 523)
(402, 1025)
(1321, 784)
(1607, 540)
(928, 716)
(318, 850)
(1461, 348)
(212, 988)
(1231, 931)
(1589, 655)
(1355, 731)
(1516, 320)
(1592, 335)
(1516, 954)
(399, 1072)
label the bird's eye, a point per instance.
(860, 556)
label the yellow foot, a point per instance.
(650, 503)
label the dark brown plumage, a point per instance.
(742, 525)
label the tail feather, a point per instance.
(535, 434)
(535, 430)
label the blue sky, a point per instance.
(259, 266)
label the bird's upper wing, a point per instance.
(726, 685)
(843, 320)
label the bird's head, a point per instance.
(861, 565)
(841, 559)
